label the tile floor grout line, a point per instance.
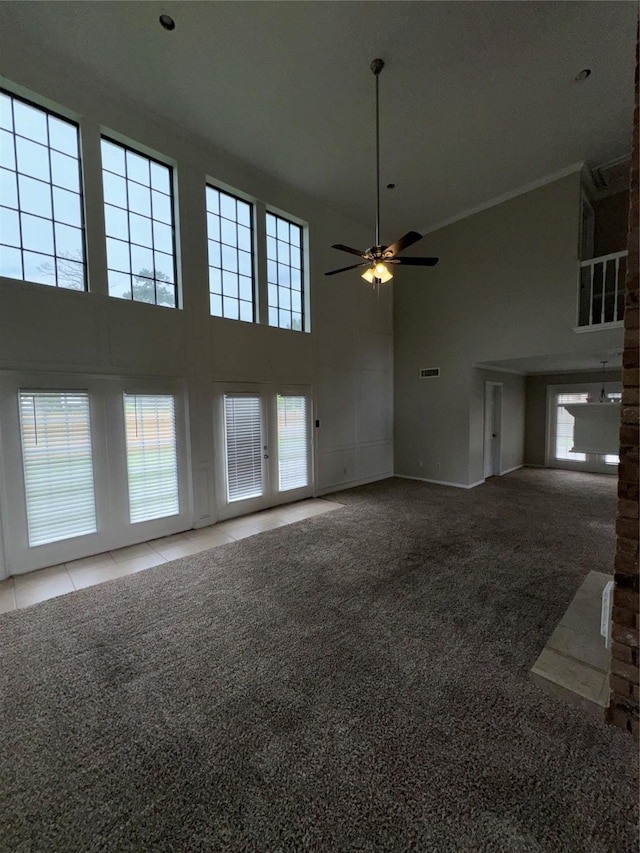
(107, 557)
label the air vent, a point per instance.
(429, 372)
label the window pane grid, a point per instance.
(41, 210)
(231, 264)
(284, 273)
(139, 225)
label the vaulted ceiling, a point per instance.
(477, 98)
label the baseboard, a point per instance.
(509, 470)
(440, 482)
(352, 484)
(533, 465)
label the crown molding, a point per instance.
(525, 188)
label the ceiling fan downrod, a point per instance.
(378, 258)
(376, 66)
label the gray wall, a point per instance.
(536, 407)
(505, 288)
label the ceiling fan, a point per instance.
(378, 258)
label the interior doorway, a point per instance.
(492, 428)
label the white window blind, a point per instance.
(152, 463)
(293, 443)
(58, 465)
(243, 434)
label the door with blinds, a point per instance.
(90, 464)
(264, 435)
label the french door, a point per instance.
(263, 436)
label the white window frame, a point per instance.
(594, 463)
(109, 467)
(39, 102)
(259, 211)
(19, 556)
(267, 391)
(109, 135)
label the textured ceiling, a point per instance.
(477, 98)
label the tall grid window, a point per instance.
(230, 233)
(284, 273)
(139, 225)
(41, 213)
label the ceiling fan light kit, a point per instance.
(378, 258)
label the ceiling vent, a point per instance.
(429, 372)
(612, 177)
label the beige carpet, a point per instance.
(354, 682)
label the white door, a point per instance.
(264, 441)
(492, 427)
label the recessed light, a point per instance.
(582, 75)
(167, 22)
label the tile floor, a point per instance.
(23, 590)
(574, 663)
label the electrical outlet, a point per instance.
(344, 470)
(438, 465)
(420, 464)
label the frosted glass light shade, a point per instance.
(378, 271)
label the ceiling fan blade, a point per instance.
(353, 267)
(349, 249)
(409, 239)
(416, 262)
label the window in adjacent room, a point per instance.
(152, 465)
(57, 458)
(230, 248)
(41, 210)
(564, 427)
(139, 225)
(284, 273)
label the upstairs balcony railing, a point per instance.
(601, 290)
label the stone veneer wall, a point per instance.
(624, 681)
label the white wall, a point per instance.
(347, 357)
(505, 288)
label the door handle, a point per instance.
(266, 456)
(494, 435)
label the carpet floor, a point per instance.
(358, 681)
